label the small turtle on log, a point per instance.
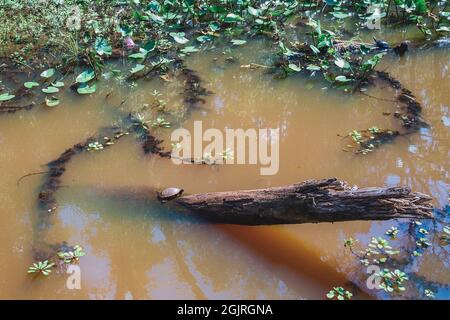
(169, 194)
(381, 44)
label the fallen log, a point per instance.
(313, 201)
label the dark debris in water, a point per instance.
(46, 198)
(412, 110)
(365, 141)
(193, 88)
(150, 144)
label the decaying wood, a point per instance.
(312, 201)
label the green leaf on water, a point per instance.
(102, 47)
(50, 90)
(6, 96)
(52, 102)
(86, 89)
(443, 29)
(313, 67)
(48, 73)
(189, 49)
(231, 17)
(137, 68)
(58, 84)
(294, 67)
(214, 26)
(238, 42)
(217, 9)
(341, 63)
(179, 37)
(85, 76)
(254, 12)
(340, 15)
(204, 38)
(138, 55)
(342, 79)
(30, 84)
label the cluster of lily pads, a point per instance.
(51, 86)
(380, 252)
(67, 256)
(149, 32)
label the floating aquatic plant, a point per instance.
(6, 97)
(161, 123)
(52, 102)
(87, 89)
(392, 232)
(41, 267)
(71, 255)
(392, 281)
(85, 76)
(339, 293)
(48, 73)
(30, 84)
(429, 294)
(95, 146)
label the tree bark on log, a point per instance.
(313, 201)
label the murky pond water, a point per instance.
(138, 249)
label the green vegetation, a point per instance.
(84, 32)
(395, 262)
(41, 267)
(67, 44)
(72, 255)
(339, 293)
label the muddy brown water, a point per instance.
(136, 250)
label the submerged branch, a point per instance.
(57, 167)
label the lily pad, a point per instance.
(254, 12)
(214, 26)
(138, 55)
(341, 63)
(48, 73)
(137, 68)
(51, 102)
(189, 49)
(179, 37)
(231, 17)
(102, 47)
(294, 67)
(238, 42)
(50, 90)
(30, 84)
(58, 84)
(85, 76)
(342, 79)
(204, 38)
(313, 67)
(86, 89)
(6, 96)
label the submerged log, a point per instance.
(312, 201)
